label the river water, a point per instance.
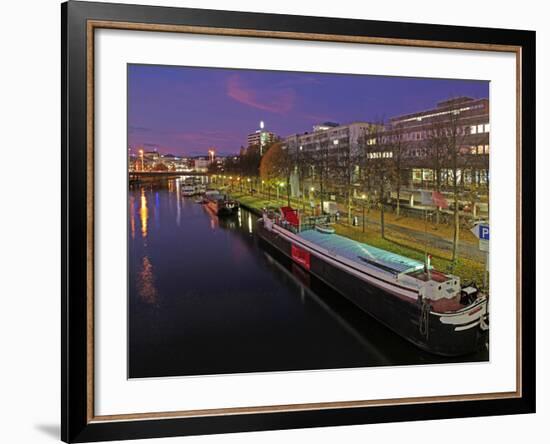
(206, 296)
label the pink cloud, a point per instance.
(192, 141)
(318, 118)
(206, 136)
(279, 101)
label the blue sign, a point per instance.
(484, 232)
(481, 231)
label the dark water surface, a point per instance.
(207, 297)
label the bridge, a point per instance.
(136, 175)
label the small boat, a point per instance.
(220, 204)
(209, 193)
(324, 228)
(429, 308)
(188, 190)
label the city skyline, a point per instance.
(186, 110)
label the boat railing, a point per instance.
(306, 222)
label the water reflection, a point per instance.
(302, 280)
(250, 223)
(132, 217)
(143, 213)
(146, 285)
(178, 202)
(156, 211)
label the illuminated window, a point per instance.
(480, 128)
(487, 128)
(473, 129)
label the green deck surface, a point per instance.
(373, 257)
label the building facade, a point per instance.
(336, 137)
(429, 145)
(261, 138)
(427, 135)
(333, 141)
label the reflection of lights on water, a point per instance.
(146, 284)
(132, 217)
(240, 218)
(250, 223)
(214, 221)
(178, 204)
(156, 209)
(143, 213)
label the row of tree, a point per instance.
(372, 167)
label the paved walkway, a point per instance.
(467, 249)
(433, 240)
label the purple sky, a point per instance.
(183, 111)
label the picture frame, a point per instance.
(80, 20)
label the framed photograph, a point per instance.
(275, 221)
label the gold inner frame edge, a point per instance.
(92, 25)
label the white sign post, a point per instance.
(481, 231)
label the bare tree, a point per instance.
(321, 163)
(377, 165)
(276, 166)
(301, 167)
(452, 137)
(365, 164)
(436, 145)
(345, 160)
(397, 146)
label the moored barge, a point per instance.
(220, 204)
(425, 306)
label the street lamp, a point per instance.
(141, 155)
(363, 197)
(280, 185)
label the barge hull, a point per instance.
(401, 314)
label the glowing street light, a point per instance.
(141, 155)
(211, 154)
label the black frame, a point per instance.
(75, 425)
